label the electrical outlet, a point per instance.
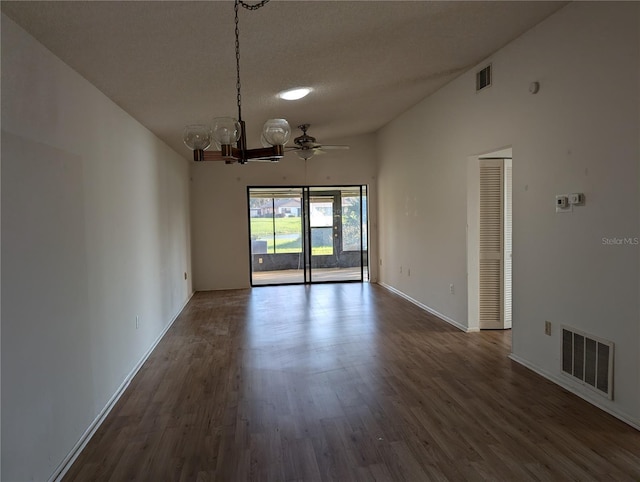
(409, 272)
(137, 322)
(547, 328)
(380, 261)
(452, 289)
(185, 275)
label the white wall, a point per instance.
(219, 204)
(95, 231)
(578, 134)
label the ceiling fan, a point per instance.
(306, 146)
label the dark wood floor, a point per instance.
(345, 382)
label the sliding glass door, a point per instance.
(308, 234)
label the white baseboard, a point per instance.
(451, 321)
(585, 396)
(71, 457)
(626, 418)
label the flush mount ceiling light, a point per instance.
(294, 94)
(229, 134)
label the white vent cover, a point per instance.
(588, 359)
(483, 78)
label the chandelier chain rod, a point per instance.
(247, 6)
(255, 6)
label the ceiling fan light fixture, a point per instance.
(306, 146)
(305, 154)
(294, 94)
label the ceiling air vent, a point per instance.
(588, 359)
(483, 78)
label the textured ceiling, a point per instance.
(173, 63)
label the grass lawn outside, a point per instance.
(285, 242)
(263, 227)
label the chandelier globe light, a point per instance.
(228, 134)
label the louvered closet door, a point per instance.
(491, 244)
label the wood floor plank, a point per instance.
(345, 382)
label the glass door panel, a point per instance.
(322, 209)
(354, 228)
(338, 237)
(276, 231)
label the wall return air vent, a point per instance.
(483, 78)
(588, 359)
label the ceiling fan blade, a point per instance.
(332, 147)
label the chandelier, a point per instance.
(229, 134)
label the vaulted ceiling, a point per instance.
(169, 63)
